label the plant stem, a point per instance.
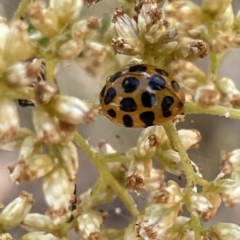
(172, 134)
(196, 226)
(195, 108)
(107, 176)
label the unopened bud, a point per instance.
(16, 211)
(225, 231)
(37, 222)
(68, 157)
(72, 110)
(9, 120)
(216, 8)
(89, 225)
(31, 168)
(66, 10)
(43, 19)
(44, 91)
(72, 48)
(207, 96)
(58, 191)
(23, 73)
(18, 45)
(39, 236)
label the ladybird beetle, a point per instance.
(140, 96)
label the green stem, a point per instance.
(194, 108)
(172, 134)
(22, 9)
(107, 176)
(196, 226)
(215, 60)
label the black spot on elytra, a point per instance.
(103, 91)
(130, 84)
(128, 105)
(161, 71)
(115, 76)
(138, 68)
(110, 95)
(127, 121)
(111, 113)
(167, 114)
(157, 82)
(175, 86)
(167, 103)
(147, 118)
(148, 99)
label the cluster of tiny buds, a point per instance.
(194, 82)
(149, 27)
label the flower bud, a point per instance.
(66, 10)
(137, 172)
(39, 236)
(30, 146)
(223, 41)
(18, 46)
(231, 161)
(168, 48)
(169, 195)
(188, 75)
(31, 168)
(226, 87)
(58, 191)
(125, 26)
(73, 47)
(225, 231)
(16, 211)
(130, 232)
(4, 32)
(15, 144)
(207, 96)
(72, 110)
(226, 21)
(44, 20)
(22, 74)
(44, 92)
(38, 222)
(216, 8)
(5, 236)
(68, 157)
(9, 120)
(199, 205)
(46, 127)
(89, 225)
(171, 162)
(189, 138)
(156, 220)
(187, 13)
(230, 189)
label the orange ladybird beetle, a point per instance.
(140, 96)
